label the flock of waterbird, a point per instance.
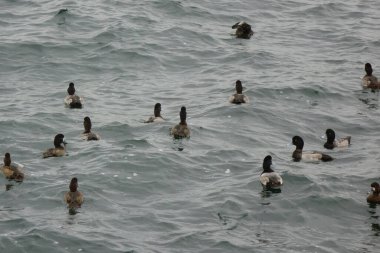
(269, 179)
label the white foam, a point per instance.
(228, 171)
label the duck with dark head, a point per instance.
(374, 196)
(299, 154)
(72, 100)
(181, 130)
(11, 171)
(59, 147)
(243, 30)
(87, 134)
(157, 115)
(74, 198)
(369, 80)
(333, 143)
(238, 97)
(269, 178)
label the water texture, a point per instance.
(301, 71)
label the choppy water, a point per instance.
(301, 70)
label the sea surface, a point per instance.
(145, 192)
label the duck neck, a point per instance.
(87, 130)
(268, 170)
(7, 161)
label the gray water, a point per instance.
(301, 71)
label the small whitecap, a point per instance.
(135, 174)
(129, 177)
(131, 154)
(161, 150)
(229, 116)
(56, 242)
(80, 249)
(323, 136)
(115, 175)
(102, 173)
(228, 171)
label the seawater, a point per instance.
(301, 71)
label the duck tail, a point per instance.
(349, 140)
(76, 104)
(326, 158)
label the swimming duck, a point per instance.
(58, 150)
(72, 100)
(11, 171)
(369, 80)
(332, 143)
(181, 130)
(374, 196)
(243, 30)
(238, 97)
(157, 115)
(87, 134)
(73, 198)
(269, 178)
(298, 154)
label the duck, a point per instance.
(298, 154)
(374, 195)
(11, 171)
(87, 134)
(269, 178)
(369, 80)
(332, 143)
(157, 115)
(181, 130)
(72, 100)
(73, 198)
(58, 149)
(243, 30)
(238, 97)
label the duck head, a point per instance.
(298, 142)
(267, 164)
(182, 115)
(87, 125)
(368, 69)
(239, 87)
(58, 140)
(330, 134)
(157, 110)
(71, 89)
(7, 159)
(73, 184)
